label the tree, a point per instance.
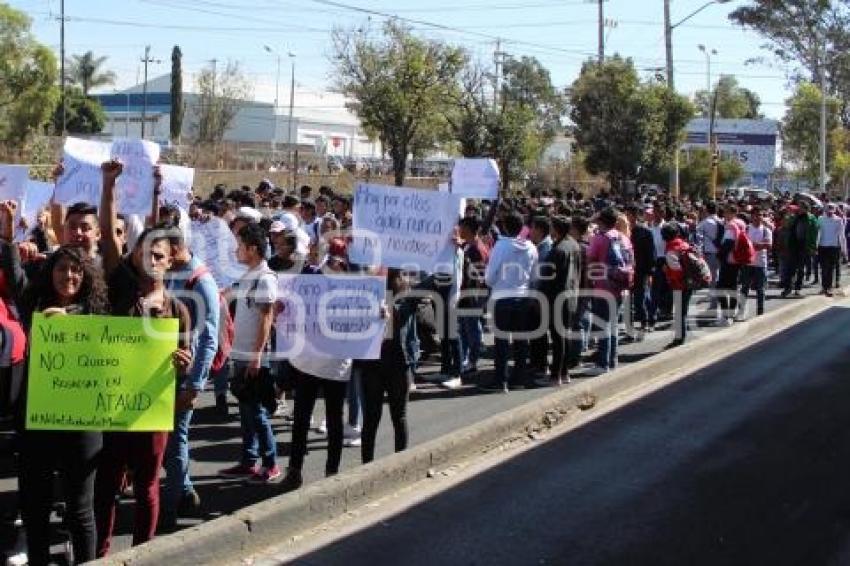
(733, 101)
(528, 117)
(28, 91)
(801, 128)
(811, 35)
(695, 173)
(470, 117)
(606, 110)
(797, 31)
(400, 86)
(84, 71)
(83, 114)
(220, 96)
(625, 128)
(176, 93)
(665, 116)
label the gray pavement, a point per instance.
(433, 412)
(744, 462)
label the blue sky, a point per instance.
(561, 33)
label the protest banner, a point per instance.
(213, 243)
(401, 227)
(334, 316)
(82, 180)
(176, 185)
(13, 182)
(134, 191)
(36, 196)
(475, 178)
(101, 373)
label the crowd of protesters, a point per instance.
(558, 277)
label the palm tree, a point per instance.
(84, 70)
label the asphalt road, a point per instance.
(744, 462)
(433, 412)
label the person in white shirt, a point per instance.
(312, 374)
(509, 274)
(831, 244)
(755, 274)
(709, 234)
(255, 294)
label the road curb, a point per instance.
(275, 520)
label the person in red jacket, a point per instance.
(674, 269)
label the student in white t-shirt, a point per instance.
(255, 294)
(755, 275)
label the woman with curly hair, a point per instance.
(68, 284)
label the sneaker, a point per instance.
(595, 371)
(323, 428)
(797, 293)
(265, 475)
(725, 323)
(784, 294)
(190, 504)
(280, 411)
(292, 481)
(828, 293)
(493, 387)
(239, 471)
(222, 410)
(548, 382)
(436, 377)
(351, 436)
(453, 383)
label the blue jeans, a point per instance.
(755, 278)
(606, 325)
(258, 442)
(511, 315)
(221, 378)
(642, 301)
(354, 393)
(176, 463)
(450, 361)
(471, 332)
(411, 347)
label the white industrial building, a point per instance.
(319, 120)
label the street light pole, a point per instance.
(293, 166)
(823, 95)
(62, 63)
(668, 42)
(147, 59)
(708, 54)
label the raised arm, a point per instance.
(108, 216)
(157, 190)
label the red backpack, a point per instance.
(226, 328)
(744, 253)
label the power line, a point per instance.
(441, 26)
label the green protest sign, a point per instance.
(101, 373)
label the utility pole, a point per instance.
(823, 94)
(497, 61)
(668, 47)
(62, 61)
(147, 59)
(601, 31)
(214, 65)
(293, 157)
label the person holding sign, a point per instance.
(69, 284)
(255, 294)
(136, 289)
(391, 373)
